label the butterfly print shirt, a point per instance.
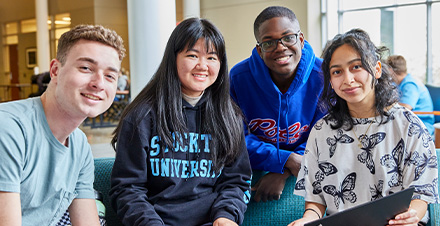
(342, 170)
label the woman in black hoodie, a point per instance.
(180, 152)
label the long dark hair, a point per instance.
(222, 118)
(384, 89)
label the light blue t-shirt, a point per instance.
(415, 94)
(47, 174)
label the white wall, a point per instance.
(235, 19)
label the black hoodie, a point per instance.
(179, 186)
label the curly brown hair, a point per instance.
(96, 33)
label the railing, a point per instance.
(426, 112)
(7, 88)
(111, 116)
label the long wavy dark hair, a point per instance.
(384, 88)
(221, 118)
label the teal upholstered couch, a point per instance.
(282, 212)
(103, 169)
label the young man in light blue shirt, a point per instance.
(46, 163)
(413, 94)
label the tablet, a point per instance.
(377, 212)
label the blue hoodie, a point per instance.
(279, 124)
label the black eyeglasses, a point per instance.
(287, 41)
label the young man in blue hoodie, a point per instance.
(278, 89)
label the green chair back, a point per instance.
(103, 170)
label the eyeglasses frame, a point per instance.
(279, 40)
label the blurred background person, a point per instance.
(123, 83)
(413, 94)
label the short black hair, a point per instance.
(271, 12)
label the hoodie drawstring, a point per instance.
(181, 138)
(287, 119)
(278, 124)
(278, 129)
(198, 132)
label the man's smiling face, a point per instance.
(283, 60)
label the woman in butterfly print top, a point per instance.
(367, 146)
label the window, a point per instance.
(411, 42)
(362, 4)
(331, 12)
(11, 31)
(28, 26)
(61, 25)
(62, 20)
(11, 28)
(370, 25)
(436, 44)
(401, 25)
(10, 37)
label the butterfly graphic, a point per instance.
(317, 188)
(306, 151)
(368, 143)
(393, 162)
(306, 171)
(339, 138)
(325, 169)
(318, 125)
(345, 192)
(422, 162)
(408, 158)
(428, 189)
(361, 121)
(376, 191)
(300, 184)
(416, 128)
